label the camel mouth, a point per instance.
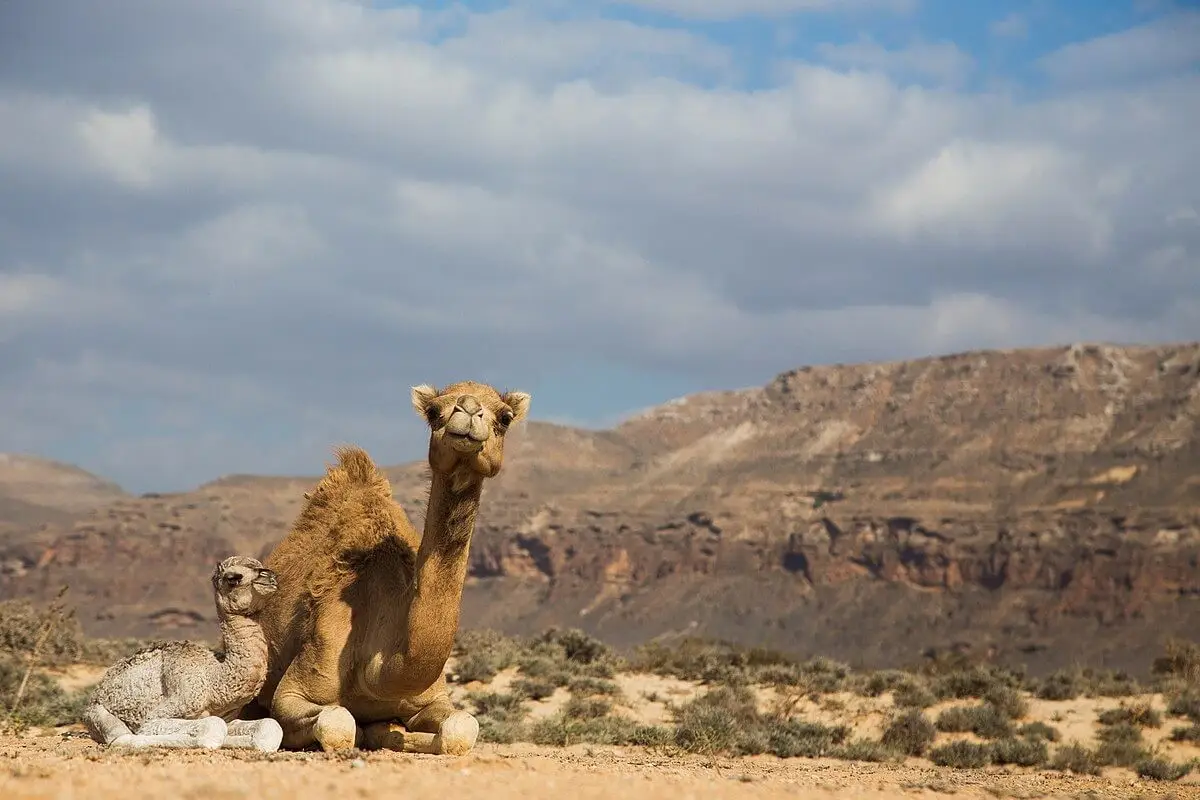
(463, 442)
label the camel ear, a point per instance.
(518, 402)
(422, 397)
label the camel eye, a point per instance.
(432, 414)
(505, 418)
(233, 578)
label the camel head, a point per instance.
(467, 423)
(242, 585)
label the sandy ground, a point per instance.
(64, 763)
(70, 767)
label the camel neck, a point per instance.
(243, 668)
(441, 569)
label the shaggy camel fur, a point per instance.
(361, 629)
(180, 694)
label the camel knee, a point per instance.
(335, 729)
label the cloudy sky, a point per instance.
(235, 232)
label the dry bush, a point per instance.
(1179, 662)
(1075, 758)
(1023, 751)
(1140, 714)
(910, 733)
(983, 720)
(1160, 769)
(962, 755)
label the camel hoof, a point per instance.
(457, 734)
(210, 733)
(268, 736)
(335, 729)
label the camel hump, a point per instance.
(358, 466)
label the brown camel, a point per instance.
(367, 611)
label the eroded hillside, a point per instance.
(1040, 505)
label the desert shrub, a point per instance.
(709, 661)
(586, 685)
(961, 755)
(558, 655)
(1061, 685)
(1160, 769)
(1024, 752)
(481, 654)
(543, 667)
(974, 682)
(533, 688)
(1075, 758)
(910, 733)
(907, 690)
(880, 681)
(1186, 733)
(1120, 745)
(1185, 704)
(500, 715)
(790, 738)
(1039, 730)
(587, 708)
(562, 730)
(23, 627)
(1107, 683)
(1141, 714)
(1008, 701)
(983, 720)
(715, 721)
(913, 695)
(1180, 660)
(44, 702)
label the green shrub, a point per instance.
(587, 685)
(1120, 745)
(910, 733)
(1039, 730)
(534, 688)
(961, 755)
(1141, 714)
(1186, 733)
(1075, 758)
(983, 720)
(1024, 752)
(1160, 769)
(1060, 686)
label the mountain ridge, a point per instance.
(1039, 505)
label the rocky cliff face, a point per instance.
(1042, 506)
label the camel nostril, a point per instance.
(469, 405)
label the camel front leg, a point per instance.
(438, 728)
(305, 722)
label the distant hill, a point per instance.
(1040, 505)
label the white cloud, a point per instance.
(1166, 45)
(941, 61)
(732, 9)
(250, 264)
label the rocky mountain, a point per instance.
(1036, 506)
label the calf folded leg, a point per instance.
(264, 735)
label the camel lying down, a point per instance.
(181, 694)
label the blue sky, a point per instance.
(237, 231)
